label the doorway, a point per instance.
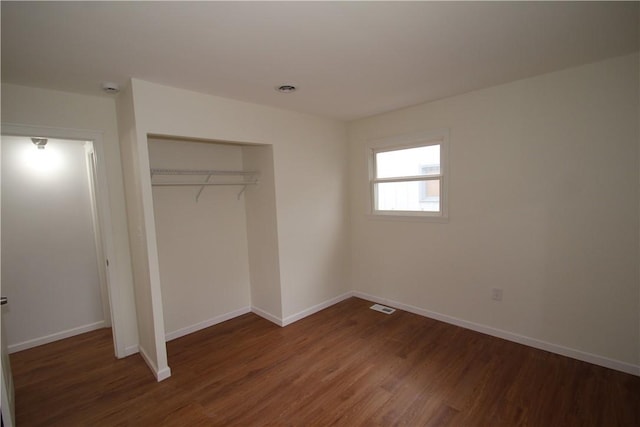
(37, 178)
(56, 237)
(50, 242)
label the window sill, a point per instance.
(406, 217)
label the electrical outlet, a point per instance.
(496, 294)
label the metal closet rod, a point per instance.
(201, 184)
(209, 173)
(200, 172)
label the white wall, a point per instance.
(543, 204)
(49, 265)
(262, 232)
(310, 175)
(61, 110)
(202, 245)
(310, 179)
(148, 299)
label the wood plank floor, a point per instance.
(346, 365)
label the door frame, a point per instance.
(91, 159)
(102, 207)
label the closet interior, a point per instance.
(215, 217)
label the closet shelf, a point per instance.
(201, 172)
(248, 178)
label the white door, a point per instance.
(101, 257)
(6, 379)
(7, 407)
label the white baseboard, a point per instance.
(316, 308)
(266, 315)
(160, 374)
(163, 374)
(147, 360)
(205, 324)
(13, 348)
(301, 314)
(509, 336)
(132, 349)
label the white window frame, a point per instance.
(400, 142)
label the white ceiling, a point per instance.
(349, 59)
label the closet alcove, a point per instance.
(215, 216)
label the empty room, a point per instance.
(320, 213)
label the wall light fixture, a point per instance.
(40, 142)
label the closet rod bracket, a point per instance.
(202, 188)
(244, 187)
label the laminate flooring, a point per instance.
(346, 365)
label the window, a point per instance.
(408, 175)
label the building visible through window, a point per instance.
(430, 190)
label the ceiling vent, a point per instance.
(286, 89)
(109, 87)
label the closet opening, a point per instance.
(215, 222)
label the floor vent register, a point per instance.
(382, 308)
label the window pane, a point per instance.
(418, 196)
(419, 161)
